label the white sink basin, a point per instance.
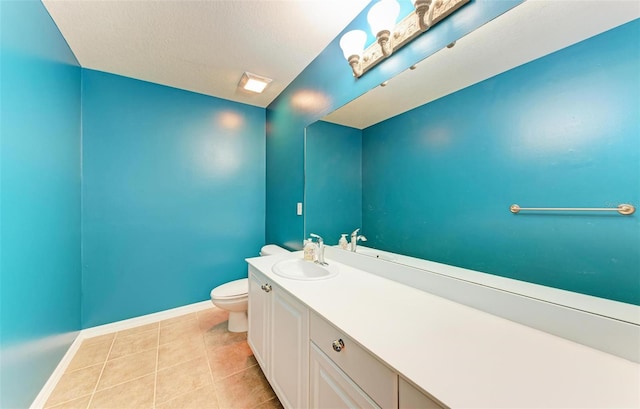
(299, 269)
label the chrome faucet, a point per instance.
(320, 259)
(355, 238)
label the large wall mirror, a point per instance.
(428, 165)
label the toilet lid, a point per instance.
(231, 289)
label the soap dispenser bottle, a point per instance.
(343, 242)
(309, 250)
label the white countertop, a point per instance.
(463, 357)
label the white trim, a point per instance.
(144, 319)
(53, 380)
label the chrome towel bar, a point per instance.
(623, 209)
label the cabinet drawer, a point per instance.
(375, 379)
(331, 388)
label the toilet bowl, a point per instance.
(234, 295)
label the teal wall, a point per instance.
(173, 195)
(40, 200)
(561, 131)
(333, 180)
(326, 84)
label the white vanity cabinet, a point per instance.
(345, 375)
(331, 343)
(312, 364)
(278, 336)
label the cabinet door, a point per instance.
(258, 318)
(331, 388)
(289, 349)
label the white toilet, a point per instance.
(234, 295)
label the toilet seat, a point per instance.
(232, 289)
(234, 296)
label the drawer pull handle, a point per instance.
(266, 288)
(338, 345)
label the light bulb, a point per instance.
(352, 43)
(383, 15)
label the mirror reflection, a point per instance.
(428, 165)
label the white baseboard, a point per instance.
(144, 319)
(53, 380)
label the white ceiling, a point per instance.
(202, 46)
(528, 31)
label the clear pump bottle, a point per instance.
(309, 250)
(343, 242)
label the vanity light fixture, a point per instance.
(391, 36)
(422, 12)
(253, 83)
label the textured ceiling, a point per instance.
(529, 31)
(202, 46)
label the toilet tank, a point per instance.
(271, 249)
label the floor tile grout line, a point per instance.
(107, 360)
(265, 401)
(129, 355)
(104, 364)
(206, 356)
(177, 338)
(177, 320)
(174, 364)
(66, 401)
(137, 334)
(155, 380)
(123, 382)
(137, 330)
(189, 360)
(238, 371)
(178, 364)
(69, 371)
(183, 335)
(66, 372)
(96, 389)
(183, 394)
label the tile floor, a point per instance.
(190, 361)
